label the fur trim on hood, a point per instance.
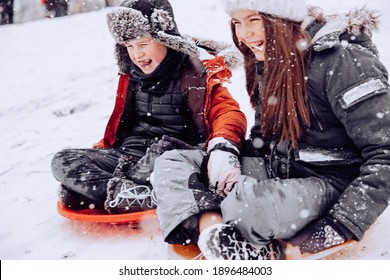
(357, 23)
(362, 20)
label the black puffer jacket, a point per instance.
(348, 142)
(348, 87)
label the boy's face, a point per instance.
(146, 53)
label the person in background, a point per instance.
(56, 8)
(6, 12)
(109, 3)
(167, 98)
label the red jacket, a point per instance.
(214, 110)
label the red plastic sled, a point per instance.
(293, 253)
(96, 216)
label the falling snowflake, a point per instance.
(305, 213)
(380, 115)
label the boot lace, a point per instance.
(135, 195)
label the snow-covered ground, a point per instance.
(57, 87)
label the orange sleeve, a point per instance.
(225, 116)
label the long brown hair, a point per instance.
(284, 104)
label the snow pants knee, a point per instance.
(276, 208)
(87, 171)
(181, 188)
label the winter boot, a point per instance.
(141, 171)
(224, 242)
(125, 196)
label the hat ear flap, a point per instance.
(162, 20)
(123, 59)
(178, 43)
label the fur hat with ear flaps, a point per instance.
(294, 10)
(137, 18)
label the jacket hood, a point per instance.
(355, 27)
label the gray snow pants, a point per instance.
(181, 188)
(261, 210)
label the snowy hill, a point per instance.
(57, 85)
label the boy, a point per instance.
(167, 98)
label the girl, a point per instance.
(321, 136)
(322, 126)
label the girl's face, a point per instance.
(250, 31)
(146, 53)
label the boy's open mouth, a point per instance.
(145, 63)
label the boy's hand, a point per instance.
(168, 143)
